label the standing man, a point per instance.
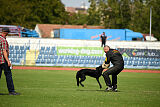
(4, 61)
(116, 59)
(103, 39)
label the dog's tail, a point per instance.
(77, 78)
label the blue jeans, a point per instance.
(8, 74)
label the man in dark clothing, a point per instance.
(103, 39)
(116, 59)
(5, 63)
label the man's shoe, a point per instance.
(14, 93)
(109, 89)
(115, 90)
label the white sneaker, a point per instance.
(108, 89)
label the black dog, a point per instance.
(89, 72)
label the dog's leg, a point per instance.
(99, 82)
(82, 79)
(77, 78)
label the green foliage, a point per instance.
(132, 14)
(43, 88)
(115, 14)
(93, 14)
(28, 13)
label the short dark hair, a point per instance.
(106, 46)
(5, 29)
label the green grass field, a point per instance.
(42, 88)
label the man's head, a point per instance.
(106, 48)
(5, 31)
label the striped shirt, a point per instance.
(3, 46)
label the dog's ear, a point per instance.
(97, 68)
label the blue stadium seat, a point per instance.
(136, 58)
(13, 60)
(27, 48)
(75, 61)
(42, 48)
(130, 58)
(86, 62)
(20, 56)
(16, 47)
(52, 52)
(145, 63)
(70, 61)
(50, 56)
(129, 63)
(152, 64)
(42, 61)
(17, 60)
(140, 63)
(158, 64)
(146, 59)
(135, 63)
(14, 55)
(61, 57)
(55, 56)
(152, 59)
(11, 51)
(53, 49)
(38, 61)
(48, 61)
(11, 47)
(82, 57)
(46, 52)
(157, 59)
(66, 57)
(125, 58)
(39, 56)
(98, 62)
(140, 58)
(47, 49)
(22, 51)
(59, 61)
(41, 51)
(77, 57)
(125, 62)
(54, 61)
(93, 58)
(71, 57)
(65, 61)
(45, 56)
(10, 55)
(17, 51)
(81, 61)
(21, 47)
(91, 62)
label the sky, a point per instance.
(75, 3)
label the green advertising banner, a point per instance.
(80, 51)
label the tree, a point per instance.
(28, 13)
(155, 5)
(93, 14)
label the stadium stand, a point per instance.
(35, 52)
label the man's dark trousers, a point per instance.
(114, 71)
(103, 43)
(8, 74)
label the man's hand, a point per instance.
(5, 54)
(9, 63)
(105, 65)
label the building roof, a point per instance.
(44, 30)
